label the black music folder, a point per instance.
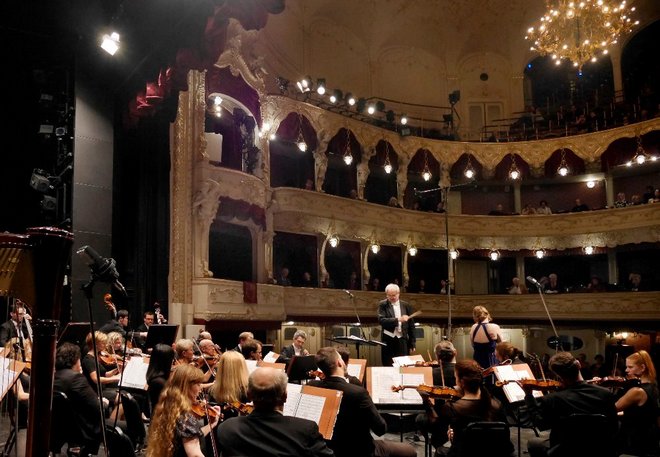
(75, 333)
(163, 333)
(300, 366)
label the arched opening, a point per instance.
(422, 161)
(340, 176)
(381, 185)
(230, 251)
(289, 165)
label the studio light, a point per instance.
(304, 85)
(371, 109)
(110, 43)
(350, 99)
(48, 203)
(494, 255)
(39, 181)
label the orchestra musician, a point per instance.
(251, 350)
(345, 355)
(551, 410)
(639, 425)
(109, 377)
(357, 417)
(158, 371)
(398, 327)
(242, 339)
(231, 382)
(267, 431)
(140, 334)
(484, 336)
(16, 326)
(175, 431)
(185, 355)
(295, 348)
(476, 405)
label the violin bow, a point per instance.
(214, 445)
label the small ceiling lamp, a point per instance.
(333, 241)
(588, 250)
(412, 250)
(300, 141)
(562, 170)
(375, 248)
(539, 253)
(110, 43)
(469, 168)
(348, 157)
(426, 172)
(388, 164)
(514, 172)
(320, 86)
(404, 119)
(453, 253)
(494, 255)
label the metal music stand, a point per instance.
(357, 341)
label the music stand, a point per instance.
(299, 366)
(357, 341)
(74, 332)
(266, 348)
(163, 333)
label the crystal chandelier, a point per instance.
(581, 30)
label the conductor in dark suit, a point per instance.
(357, 417)
(266, 431)
(398, 326)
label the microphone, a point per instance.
(349, 293)
(534, 281)
(105, 270)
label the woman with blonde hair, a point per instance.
(484, 336)
(175, 431)
(640, 405)
(231, 381)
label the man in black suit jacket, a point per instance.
(357, 417)
(266, 431)
(398, 326)
(9, 329)
(81, 397)
(295, 348)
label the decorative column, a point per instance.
(204, 209)
(517, 204)
(609, 191)
(615, 58)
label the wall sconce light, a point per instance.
(110, 43)
(412, 250)
(333, 241)
(388, 164)
(300, 141)
(453, 253)
(591, 184)
(426, 173)
(562, 170)
(588, 250)
(375, 248)
(539, 253)
(514, 172)
(494, 255)
(348, 157)
(469, 169)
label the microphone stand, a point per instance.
(554, 329)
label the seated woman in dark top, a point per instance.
(109, 374)
(158, 372)
(175, 430)
(476, 405)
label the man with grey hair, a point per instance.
(242, 339)
(295, 348)
(267, 431)
(398, 326)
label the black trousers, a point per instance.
(395, 347)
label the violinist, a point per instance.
(175, 431)
(476, 405)
(357, 416)
(109, 377)
(551, 410)
(231, 381)
(251, 350)
(185, 355)
(345, 356)
(639, 427)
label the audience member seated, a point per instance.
(552, 410)
(635, 200)
(393, 202)
(309, 184)
(528, 210)
(358, 416)
(354, 282)
(444, 286)
(284, 280)
(375, 285)
(579, 206)
(267, 431)
(440, 207)
(476, 405)
(648, 194)
(517, 287)
(498, 211)
(353, 194)
(307, 280)
(621, 201)
(656, 196)
(421, 289)
(552, 286)
(543, 208)
(596, 285)
(635, 282)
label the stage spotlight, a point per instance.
(404, 119)
(320, 86)
(371, 109)
(48, 203)
(110, 43)
(361, 104)
(350, 99)
(39, 181)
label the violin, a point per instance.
(616, 382)
(315, 374)
(107, 358)
(241, 408)
(424, 363)
(490, 370)
(537, 384)
(107, 299)
(447, 393)
(201, 410)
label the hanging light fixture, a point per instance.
(580, 30)
(348, 157)
(320, 86)
(588, 250)
(333, 241)
(539, 253)
(514, 172)
(641, 156)
(412, 250)
(300, 141)
(453, 253)
(426, 172)
(562, 170)
(110, 43)
(404, 119)
(494, 255)
(375, 248)
(388, 164)
(469, 168)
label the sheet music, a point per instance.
(310, 407)
(251, 365)
(292, 399)
(353, 369)
(271, 357)
(406, 360)
(135, 373)
(7, 376)
(512, 390)
(411, 379)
